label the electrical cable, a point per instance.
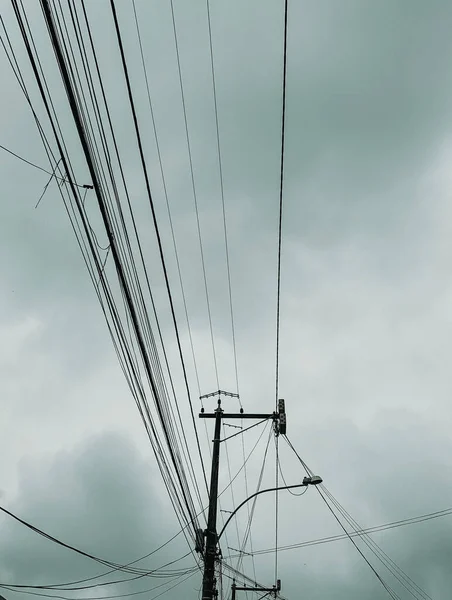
(109, 597)
(281, 186)
(52, 174)
(413, 590)
(130, 209)
(285, 483)
(156, 449)
(276, 503)
(103, 561)
(247, 429)
(251, 515)
(368, 530)
(195, 195)
(165, 190)
(154, 218)
(406, 581)
(220, 171)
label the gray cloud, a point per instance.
(366, 287)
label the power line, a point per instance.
(51, 173)
(372, 568)
(368, 530)
(253, 507)
(392, 567)
(165, 190)
(278, 293)
(154, 218)
(406, 581)
(109, 597)
(187, 454)
(195, 195)
(117, 567)
(281, 186)
(276, 504)
(125, 567)
(220, 169)
(166, 424)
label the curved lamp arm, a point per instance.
(307, 481)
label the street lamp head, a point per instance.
(313, 480)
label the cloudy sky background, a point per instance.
(366, 290)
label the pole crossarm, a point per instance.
(273, 415)
(219, 393)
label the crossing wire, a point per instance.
(360, 532)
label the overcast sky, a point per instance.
(366, 291)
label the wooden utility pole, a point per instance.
(211, 538)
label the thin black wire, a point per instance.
(220, 169)
(251, 516)
(52, 174)
(143, 62)
(136, 232)
(285, 482)
(231, 487)
(40, 594)
(148, 376)
(195, 195)
(46, 145)
(242, 578)
(47, 185)
(404, 579)
(125, 568)
(386, 586)
(281, 185)
(172, 587)
(106, 562)
(169, 213)
(105, 217)
(276, 504)
(66, 165)
(368, 530)
(253, 562)
(162, 259)
(160, 381)
(375, 572)
(247, 429)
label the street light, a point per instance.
(312, 480)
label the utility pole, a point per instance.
(209, 591)
(273, 590)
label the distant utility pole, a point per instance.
(209, 591)
(273, 590)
